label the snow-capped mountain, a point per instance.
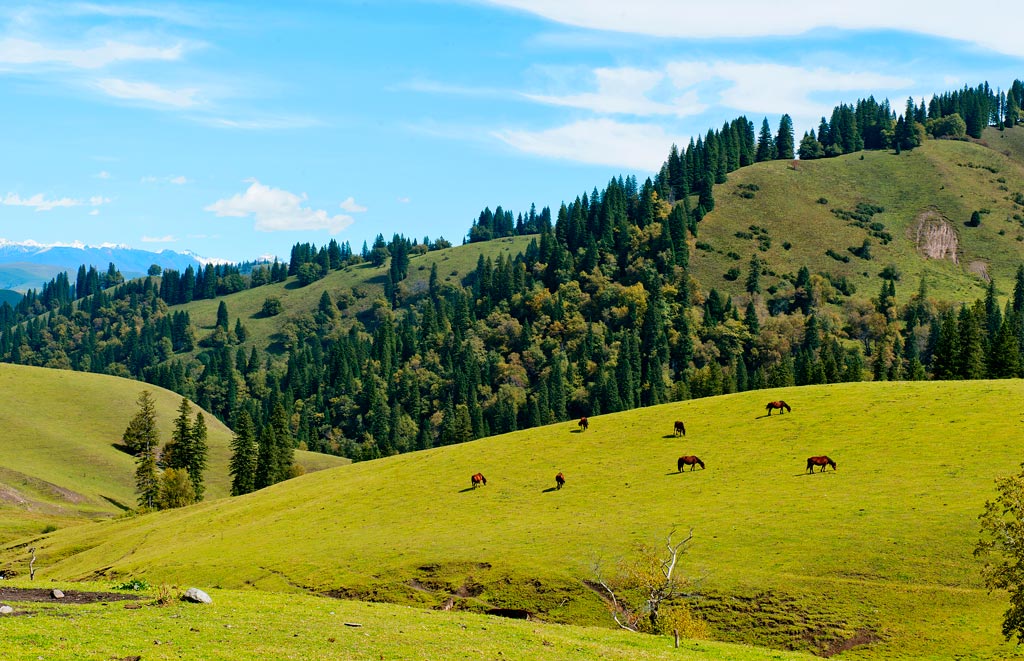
(27, 265)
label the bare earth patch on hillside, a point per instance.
(935, 237)
(27, 595)
(979, 268)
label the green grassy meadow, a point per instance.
(243, 625)
(878, 550)
(58, 463)
(949, 178)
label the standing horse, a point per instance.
(822, 461)
(778, 405)
(559, 481)
(477, 480)
(690, 461)
(680, 428)
(583, 423)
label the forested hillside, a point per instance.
(735, 268)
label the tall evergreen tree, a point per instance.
(784, 139)
(244, 453)
(765, 143)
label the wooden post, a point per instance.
(31, 564)
(675, 632)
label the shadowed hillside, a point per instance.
(58, 462)
(879, 550)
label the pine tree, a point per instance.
(141, 435)
(197, 462)
(178, 452)
(146, 482)
(754, 275)
(244, 453)
(784, 139)
(765, 143)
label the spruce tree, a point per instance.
(244, 453)
(141, 434)
(197, 460)
(784, 139)
(765, 143)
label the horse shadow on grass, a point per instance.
(575, 431)
(669, 436)
(468, 489)
(550, 489)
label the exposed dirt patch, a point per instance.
(44, 488)
(860, 637)
(23, 595)
(935, 236)
(979, 268)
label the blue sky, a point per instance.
(238, 129)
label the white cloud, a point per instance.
(159, 239)
(178, 180)
(404, 200)
(686, 88)
(626, 91)
(23, 52)
(94, 212)
(597, 141)
(40, 203)
(350, 206)
(278, 210)
(778, 88)
(259, 124)
(136, 91)
(102, 175)
(752, 18)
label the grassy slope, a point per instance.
(57, 459)
(937, 175)
(882, 545)
(236, 627)
(453, 264)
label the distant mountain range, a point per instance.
(28, 265)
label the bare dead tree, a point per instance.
(31, 565)
(652, 575)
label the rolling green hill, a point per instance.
(58, 463)
(879, 550)
(358, 287)
(928, 195)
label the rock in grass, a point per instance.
(196, 596)
(6, 610)
(57, 594)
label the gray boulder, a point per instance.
(196, 596)
(6, 610)
(57, 594)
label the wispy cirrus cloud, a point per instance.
(177, 180)
(626, 91)
(277, 210)
(751, 18)
(595, 141)
(22, 52)
(167, 238)
(149, 92)
(40, 202)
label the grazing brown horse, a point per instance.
(822, 461)
(680, 428)
(778, 405)
(690, 461)
(583, 423)
(477, 480)
(559, 481)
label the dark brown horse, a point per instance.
(778, 405)
(559, 481)
(822, 461)
(477, 480)
(690, 461)
(583, 423)
(680, 428)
